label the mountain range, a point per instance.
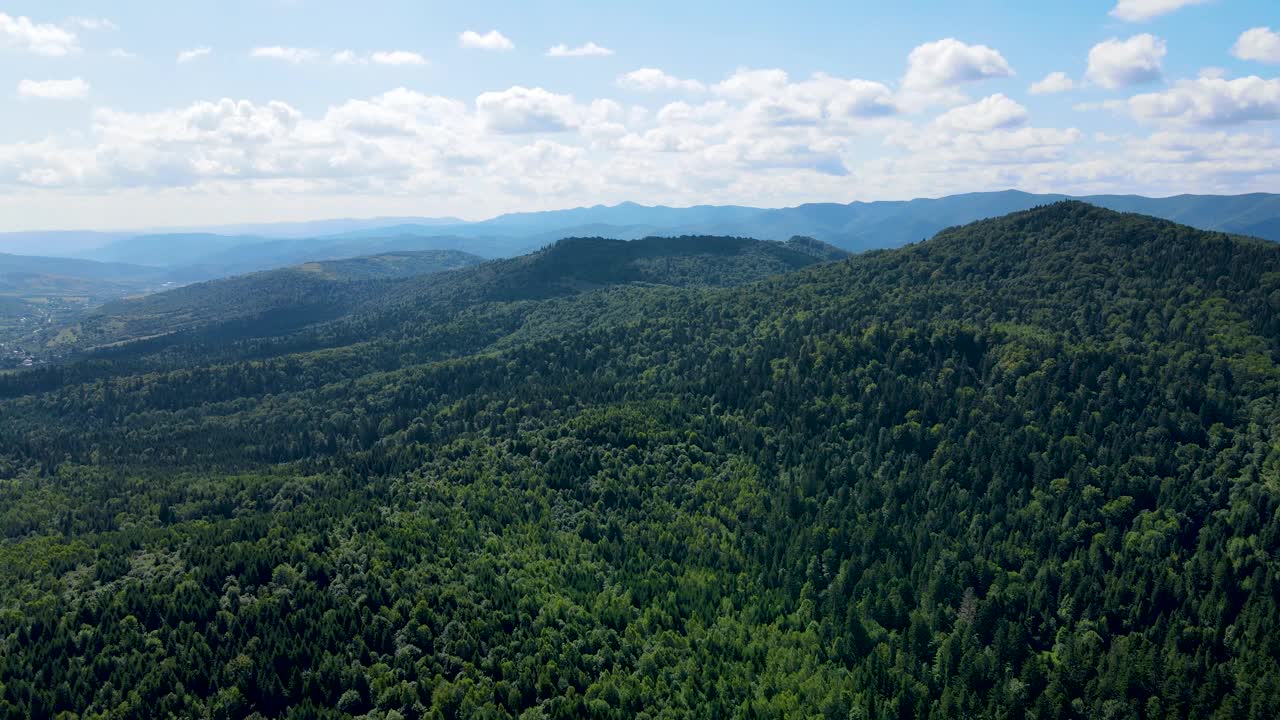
(40, 293)
(854, 226)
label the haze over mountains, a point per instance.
(855, 226)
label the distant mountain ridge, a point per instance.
(854, 226)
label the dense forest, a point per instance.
(1027, 468)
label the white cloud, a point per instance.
(122, 54)
(590, 49)
(187, 56)
(386, 57)
(492, 40)
(773, 100)
(996, 112)
(746, 84)
(1192, 156)
(20, 33)
(398, 57)
(1211, 101)
(527, 110)
(1143, 10)
(1054, 82)
(1119, 63)
(757, 137)
(292, 55)
(949, 62)
(655, 80)
(1017, 146)
(1261, 44)
(93, 24)
(73, 89)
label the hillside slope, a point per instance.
(1028, 468)
(378, 289)
(267, 302)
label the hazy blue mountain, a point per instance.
(854, 226)
(170, 249)
(314, 228)
(1232, 213)
(58, 243)
(75, 267)
(627, 213)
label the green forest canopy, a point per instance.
(1028, 468)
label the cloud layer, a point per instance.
(758, 135)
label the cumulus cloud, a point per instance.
(1143, 10)
(996, 112)
(772, 99)
(1119, 63)
(492, 40)
(187, 56)
(955, 151)
(589, 49)
(655, 80)
(1054, 82)
(746, 83)
(1192, 156)
(22, 34)
(1261, 44)
(385, 57)
(1211, 101)
(949, 62)
(93, 24)
(397, 57)
(292, 55)
(527, 110)
(760, 121)
(73, 89)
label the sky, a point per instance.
(153, 113)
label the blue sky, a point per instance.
(142, 113)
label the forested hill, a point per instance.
(268, 302)
(1027, 469)
(373, 293)
(573, 265)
